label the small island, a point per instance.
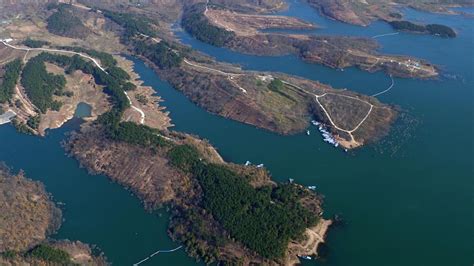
(433, 29)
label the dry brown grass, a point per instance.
(27, 215)
(245, 24)
(84, 90)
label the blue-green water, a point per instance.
(83, 110)
(411, 207)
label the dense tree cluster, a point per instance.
(434, 29)
(107, 60)
(132, 24)
(161, 54)
(276, 85)
(263, 219)
(21, 127)
(138, 134)
(9, 79)
(441, 30)
(33, 122)
(41, 85)
(195, 23)
(35, 43)
(50, 254)
(64, 23)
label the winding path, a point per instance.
(348, 131)
(54, 51)
(142, 120)
(230, 76)
(329, 116)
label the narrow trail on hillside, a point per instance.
(54, 51)
(349, 132)
(142, 114)
(230, 76)
(142, 120)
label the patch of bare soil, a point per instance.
(254, 6)
(80, 253)
(313, 237)
(245, 24)
(144, 98)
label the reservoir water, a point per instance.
(407, 201)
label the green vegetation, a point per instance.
(441, 30)
(138, 135)
(115, 83)
(35, 43)
(9, 80)
(198, 26)
(276, 85)
(9, 254)
(161, 54)
(41, 85)
(263, 219)
(434, 29)
(33, 122)
(197, 229)
(50, 254)
(21, 127)
(132, 24)
(64, 23)
(184, 157)
(141, 99)
(107, 60)
(118, 74)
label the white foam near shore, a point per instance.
(327, 136)
(7, 117)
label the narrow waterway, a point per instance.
(407, 201)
